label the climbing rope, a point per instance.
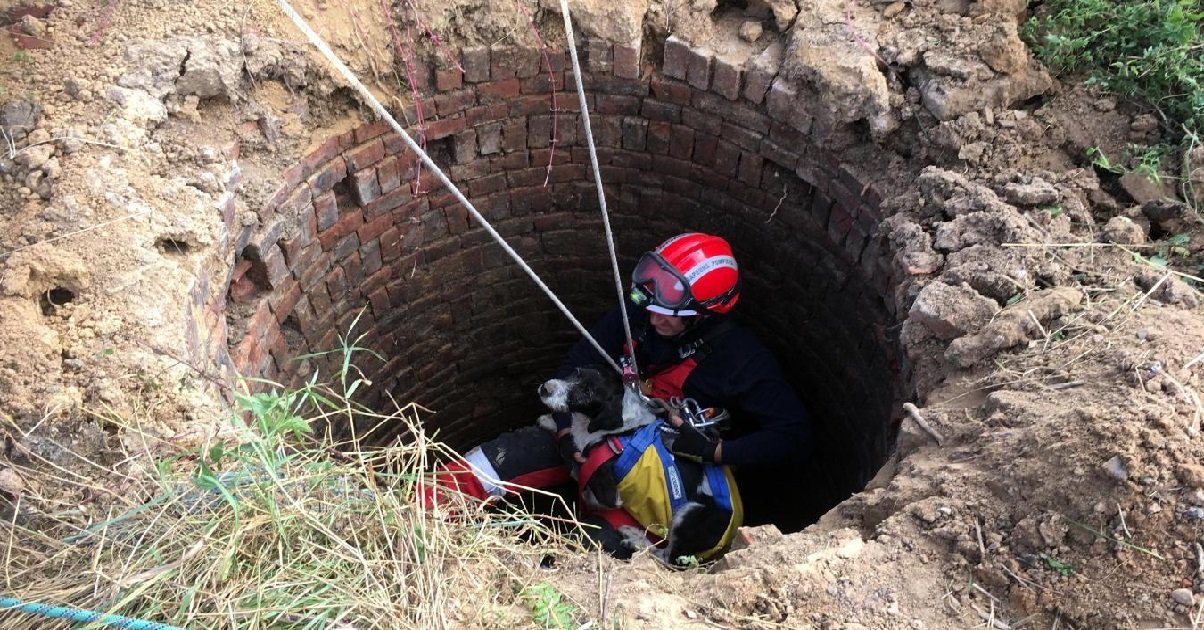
(79, 615)
(593, 162)
(380, 110)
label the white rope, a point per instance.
(593, 162)
(380, 110)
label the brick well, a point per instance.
(359, 230)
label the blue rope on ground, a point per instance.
(80, 615)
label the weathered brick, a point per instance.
(672, 92)
(656, 110)
(325, 178)
(443, 128)
(476, 64)
(345, 246)
(365, 155)
(727, 158)
(527, 105)
(388, 173)
(681, 142)
(608, 130)
(699, 121)
(370, 255)
(370, 131)
(617, 104)
(780, 100)
(348, 222)
(671, 166)
(495, 91)
(514, 62)
(454, 102)
(464, 146)
(328, 150)
(289, 295)
(486, 113)
(726, 81)
(598, 56)
(543, 83)
(750, 168)
(390, 201)
(380, 302)
(449, 79)
(627, 61)
(635, 133)
(557, 60)
(698, 68)
(780, 155)
(658, 137)
(364, 187)
(743, 138)
(677, 58)
(296, 203)
(539, 131)
(489, 138)
(314, 272)
(353, 269)
(390, 244)
(523, 177)
(370, 230)
(514, 135)
(487, 185)
(336, 284)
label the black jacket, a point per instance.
(769, 425)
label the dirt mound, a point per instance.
(1050, 328)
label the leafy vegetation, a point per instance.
(548, 608)
(266, 525)
(1148, 50)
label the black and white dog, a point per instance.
(602, 407)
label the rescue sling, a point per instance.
(649, 479)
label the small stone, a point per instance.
(893, 9)
(751, 31)
(1116, 469)
(35, 156)
(1182, 596)
(1123, 231)
(11, 482)
(1144, 123)
(31, 25)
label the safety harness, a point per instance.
(649, 480)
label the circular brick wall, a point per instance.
(359, 230)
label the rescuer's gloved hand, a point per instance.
(693, 444)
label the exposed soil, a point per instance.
(1059, 366)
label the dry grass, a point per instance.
(270, 528)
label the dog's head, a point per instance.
(595, 394)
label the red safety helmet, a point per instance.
(687, 274)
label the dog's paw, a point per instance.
(546, 423)
(634, 538)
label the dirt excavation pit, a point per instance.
(192, 197)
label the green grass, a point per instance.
(1148, 50)
(269, 525)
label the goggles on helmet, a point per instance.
(656, 283)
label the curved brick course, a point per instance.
(358, 230)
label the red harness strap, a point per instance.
(668, 383)
(598, 455)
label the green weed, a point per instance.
(548, 607)
(1148, 50)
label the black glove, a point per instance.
(564, 441)
(692, 444)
